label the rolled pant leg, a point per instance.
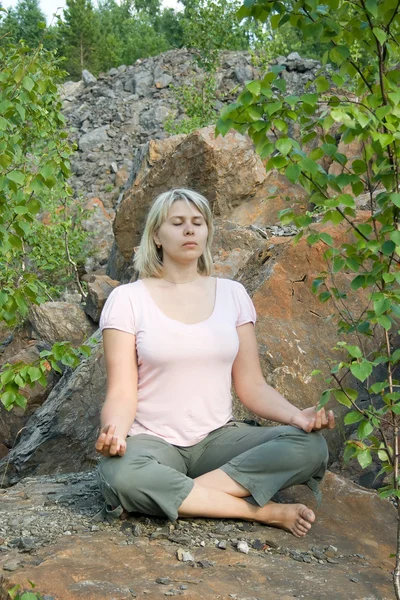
(293, 457)
(150, 478)
(264, 459)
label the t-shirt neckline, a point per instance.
(180, 322)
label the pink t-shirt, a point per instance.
(184, 371)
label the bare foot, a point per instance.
(296, 518)
(124, 515)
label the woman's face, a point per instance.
(183, 235)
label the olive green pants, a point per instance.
(154, 477)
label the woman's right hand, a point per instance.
(109, 444)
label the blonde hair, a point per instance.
(148, 258)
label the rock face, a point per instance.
(60, 321)
(48, 536)
(99, 288)
(128, 106)
(225, 170)
(60, 435)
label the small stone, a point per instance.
(354, 579)
(11, 566)
(258, 545)
(163, 580)
(204, 564)
(137, 530)
(202, 543)
(332, 561)
(184, 555)
(67, 533)
(243, 547)
(183, 586)
(93, 528)
(222, 545)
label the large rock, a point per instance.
(226, 170)
(61, 321)
(60, 435)
(99, 288)
(11, 422)
(346, 555)
(93, 139)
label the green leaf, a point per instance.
(364, 458)
(353, 417)
(292, 172)
(34, 374)
(354, 351)
(395, 198)
(284, 145)
(361, 370)
(28, 83)
(322, 84)
(337, 264)
(372, 7)
(324, 398)
(388, 247)
(254, 87)
(384, 322)
(342, 398)
(380, 35)
(223, 126)
(16, 176)
(364, 429)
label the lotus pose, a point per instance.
(174, 340)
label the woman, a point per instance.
(174, 340)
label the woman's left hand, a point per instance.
(310, 419)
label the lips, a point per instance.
(190, 244)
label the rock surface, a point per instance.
(60, 321)
(48, 535)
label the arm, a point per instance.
(259, 397)
(119, 408)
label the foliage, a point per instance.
(209, 27)
(198, 101)
(15, 593)
(34, 165)
(79, 31)
(14, 378)
(368, 119)
(25, 21)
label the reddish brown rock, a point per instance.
(226, 170)
(359, 527)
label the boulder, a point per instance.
(60, 435)
(88, 78)
(226, 170)
(60, 321)
(93, 139)
(99, 287)
(11, 422)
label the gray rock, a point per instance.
(243, 547)
(88, 78)
(93, 139)
(244, 73)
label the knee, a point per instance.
(316, 448)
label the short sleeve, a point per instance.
(246, 313)
(118, 311)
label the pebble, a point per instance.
(354, 579)
(11, 566)
(222, 545)
(163, 580)
(243, 547)
(258, 545)
(184, 555)
(202, 543)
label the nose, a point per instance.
(189, 229)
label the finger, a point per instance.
(114, 446)
(318, 420)
(331, 420)
(122, 449)
(100, 442)
(109, 436)
(324, 418)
